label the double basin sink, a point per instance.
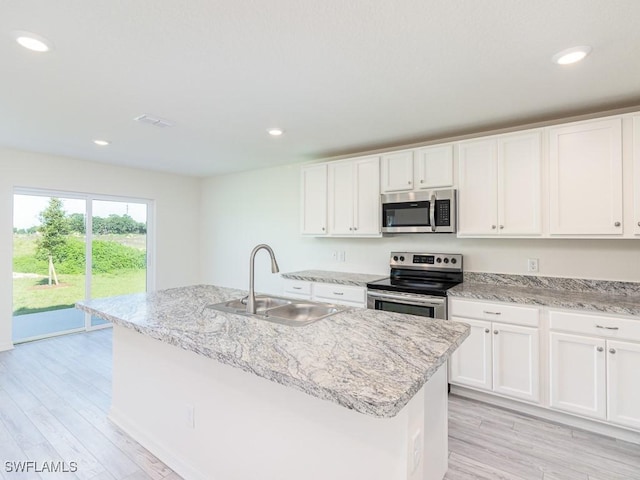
(282, 310)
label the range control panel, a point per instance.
(426, 261)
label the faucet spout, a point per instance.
(251, 299)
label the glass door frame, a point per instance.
(89, 198)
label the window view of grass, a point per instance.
(118, 259)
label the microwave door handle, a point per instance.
(432, 212)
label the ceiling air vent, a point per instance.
(155, 121)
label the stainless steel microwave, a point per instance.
(429, 211)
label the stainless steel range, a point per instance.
(418, 284)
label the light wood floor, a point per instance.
(54, 396)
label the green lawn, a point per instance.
(32, 295)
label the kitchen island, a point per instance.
(360, 394)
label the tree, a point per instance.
(76, 223)
(54, 229)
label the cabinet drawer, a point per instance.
(297, 287)
(339, 293)
(496, 312)
(597, 325)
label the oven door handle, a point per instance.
(408, 300)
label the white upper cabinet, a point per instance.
(397, 171)
(519, 184)
(367, 214)
(354, 197)
(433, 167)
(500, 185)
(313, 181)
(477, 188)
(636, 175)
(585, 178)
(423, 168)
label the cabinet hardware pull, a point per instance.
(355, 228)
(491, 313)
(607, 328)
(323, 229)
(639, 224)
(617, 224)
(495, 332)
(409, 182)
(501, 227)
(297, 288)
(600, 349)
(493, 227)
(612, 351)
(338, 293)
(486, 330)
(422, 181)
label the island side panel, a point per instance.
(211, 421)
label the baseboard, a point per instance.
(160, 451)
(6, 346)
(562, 418)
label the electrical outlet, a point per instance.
(342, 256)
(532, 265)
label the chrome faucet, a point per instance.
(251, 299)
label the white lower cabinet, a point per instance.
(498, 356)
(595, 376)
(349, 295)
(623, 383)
(297, 289)
(577, 375)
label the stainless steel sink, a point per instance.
(263, 303)
(282, 310)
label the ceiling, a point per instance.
(338, 76)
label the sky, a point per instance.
(26, 209)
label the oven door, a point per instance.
(412, 304)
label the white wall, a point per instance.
(176, 212)
(262, 206)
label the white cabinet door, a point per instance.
(397, 171)
(585, 178)
(477, 188)
(341, 198)
(366, 216)
(519, 184)
(636, 175)
(623, 383)
(314, 200)
(515, 361)
(470, 364)
(577, 374)
(433, 167)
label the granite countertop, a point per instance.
(341, 278)
(370, 361)
(621, 298)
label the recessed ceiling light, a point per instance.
(102, 143)
(571, 55)
(33, 41)
(275, 132)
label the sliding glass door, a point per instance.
(69, 247)
(118, 250)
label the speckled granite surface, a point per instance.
(621, 298)
(370, 361)
(341, 278)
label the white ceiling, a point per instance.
(340, 76)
